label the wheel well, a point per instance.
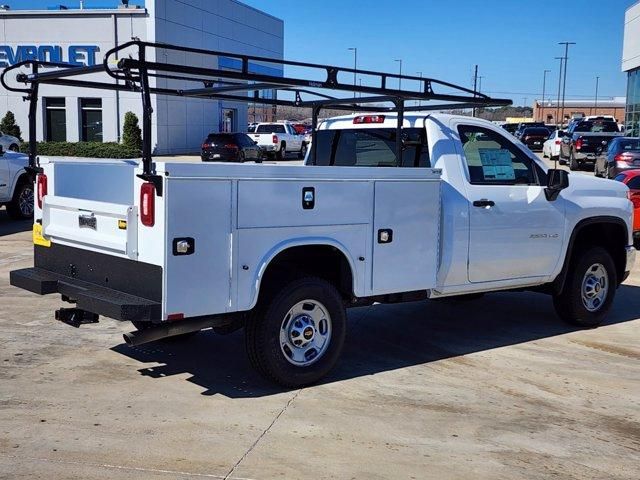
(610, 235)
(22, 179)
(322, 261)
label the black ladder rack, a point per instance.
(132, 68)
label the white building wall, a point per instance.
(179, 124)
(631, 42)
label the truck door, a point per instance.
(515, 232)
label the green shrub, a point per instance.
(83, 149)
(131, 133)
(8, 126)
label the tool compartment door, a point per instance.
(405, 236)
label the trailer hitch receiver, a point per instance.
(75, 316)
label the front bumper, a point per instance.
(630, 261)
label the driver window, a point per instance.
(493, 160)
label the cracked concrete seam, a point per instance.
(266, 430)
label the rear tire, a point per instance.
(21, 207)
(589, 289)
(573, 163)
(282, 152)
(303, 151)
(308, 311)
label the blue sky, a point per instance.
(513, 42)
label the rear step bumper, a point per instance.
(90, 297)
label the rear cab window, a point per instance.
(370, 147)
(270, 128)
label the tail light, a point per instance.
(578, 144)
(205, 145)
(623, 157)
(231, 146)
(41, 188)
(275, 139)
(148, 204)
(368, 119)
(558, 142)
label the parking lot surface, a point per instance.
(494, 388)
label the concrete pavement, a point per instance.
(493, 388)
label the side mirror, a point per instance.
(557, 180)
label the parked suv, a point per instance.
(534, 137)
(230, 147)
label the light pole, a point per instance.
(525, 105)
(419, 102)
(544, 84)
(399, 60)
(596, 102)
(355, 67)
(564, 81)
(558, 122)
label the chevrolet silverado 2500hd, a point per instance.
(391, 206)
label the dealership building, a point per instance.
(82, 36)
(631, 65)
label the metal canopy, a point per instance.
(134, 63)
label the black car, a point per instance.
(523, 125)
(230, 147)
(510, 127)
(534, 137)
(623, 154)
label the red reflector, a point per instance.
(175, 316)
(148, 204)
(41, 188)
(368, 119)
(274, 139)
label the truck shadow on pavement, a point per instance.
(9, 226)
(380, 338)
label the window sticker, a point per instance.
(496, 164)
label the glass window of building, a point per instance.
(91, 119)
(632, 118)
(55, 119)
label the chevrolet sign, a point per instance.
(74, 54)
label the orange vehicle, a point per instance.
(631, 179)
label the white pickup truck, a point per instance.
(16, 189)
(278, 139)
(392, 205)
(287, 248)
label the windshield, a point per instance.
(597, 127)
(370, 147)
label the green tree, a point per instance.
(131, 133)
(8, 126)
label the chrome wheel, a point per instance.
(305, 333)
(595, 286)
(25, 201)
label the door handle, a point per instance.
(484, 203)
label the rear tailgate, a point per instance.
(596, 142)
(90, 205)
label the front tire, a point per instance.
(21, 207)
(295, 337)
(589, 289)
